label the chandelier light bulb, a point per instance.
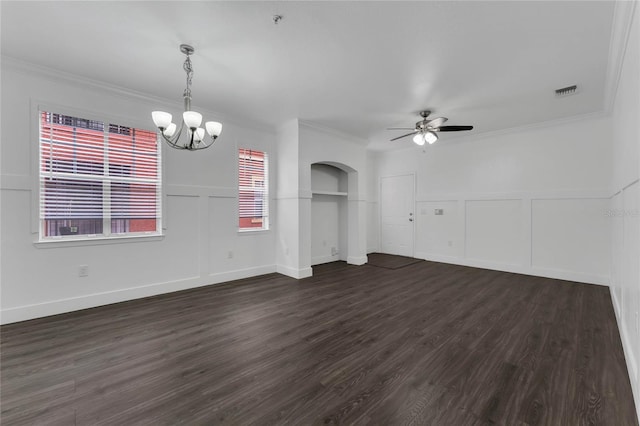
(170, 131)
(198, 135)
(430, 137)
(161, 119)
(419, 139)
(213, 128)
(192, 119)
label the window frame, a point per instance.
(266, 223)
(37, 108)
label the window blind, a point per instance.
(253, 190)
(97, 178)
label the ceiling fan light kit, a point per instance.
(426, 137)
(425, 129)
(191, 119)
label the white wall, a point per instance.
(531, 201)
(200, 208)
(625, 204)
(373, 208)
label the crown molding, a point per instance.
(333, 132)
(38, 70)
(534, 126)
(620, 31)
(512, 130)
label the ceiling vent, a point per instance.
(566, 91)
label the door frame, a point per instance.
(413, 194)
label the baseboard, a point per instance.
(357, 260)
(570, 276)
(61, 306)
(324, 259)
(294, 272)
(239, 274)
(629, 355)
(518, 269)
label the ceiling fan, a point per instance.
(425, 130)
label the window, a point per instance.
(97, 180)
(253, 192)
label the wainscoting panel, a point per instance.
(570, 235)
(493, 231)
(438, 233)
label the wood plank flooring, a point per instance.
(429, 344)
(390, 261)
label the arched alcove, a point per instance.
(335, 214)
(329, 204)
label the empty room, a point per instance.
(320, 212)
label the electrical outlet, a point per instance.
(83, 270)
(334, 251)
(230, 254)
(450, 243)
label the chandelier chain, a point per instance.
(188, 68)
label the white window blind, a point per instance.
(253, 191)
(97, 179)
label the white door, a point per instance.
(397, 217)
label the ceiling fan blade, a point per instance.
(404, 136)
(453, 128)
(400, 128)
(436, 122)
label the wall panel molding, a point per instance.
(528, 242)
(201, 191)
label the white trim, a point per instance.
(27, 312)
(629, 355)
(16, 183)
(357, 260)
(294, 272)
(474, 137)
(623, 13)
(294, 195)
(98, 240)
(332, 132)
(21, 66)
(201, 191)
(516, 195)
(517, 269)
(319, 260)
(252, 231)
(336, 193)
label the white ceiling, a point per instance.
(357, 67)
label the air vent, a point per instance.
(566, 91)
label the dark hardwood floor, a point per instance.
(428, 343)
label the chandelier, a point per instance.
(191, 119)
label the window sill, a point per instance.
(252, 231)
(96, 241)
